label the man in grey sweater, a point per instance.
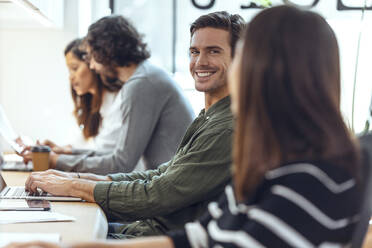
(155, 113)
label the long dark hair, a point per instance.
(87, 106)
(288, 105)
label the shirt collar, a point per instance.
(217, 107)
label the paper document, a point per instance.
(9, 217)
(7, 237)
(13, 203)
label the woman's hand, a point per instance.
(57, 149)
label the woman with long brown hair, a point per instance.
(94, 103)
(295, 161)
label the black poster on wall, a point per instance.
(267, 3)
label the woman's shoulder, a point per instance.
(322, 185)
(326, 173)
(300, 199)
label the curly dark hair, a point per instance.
(87, 106)
(234, 24)
(114, 41)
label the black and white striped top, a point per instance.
(296, 205)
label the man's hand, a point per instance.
(57, 173)
(50, 183)
(61, 183)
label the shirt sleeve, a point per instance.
(193, 175)
(139, 100)
(142, 175)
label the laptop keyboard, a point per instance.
(20, 193)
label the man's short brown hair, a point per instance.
(234, 24)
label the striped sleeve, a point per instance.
(193, 235)
(298, 205)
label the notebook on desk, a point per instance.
(19, 192)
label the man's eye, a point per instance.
(214, 51)
(86, 57)
(194, 52)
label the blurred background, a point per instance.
(34, 86)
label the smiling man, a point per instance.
(210, 57)
(179, 190)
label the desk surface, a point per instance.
(90, 221)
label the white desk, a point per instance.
(90, 221)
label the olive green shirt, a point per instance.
(179, 190)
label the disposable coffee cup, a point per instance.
(40, 157)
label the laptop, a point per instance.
(19, 192)
(16, 166)
(14, 162)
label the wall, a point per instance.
(34, 87)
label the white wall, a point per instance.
(34, 87)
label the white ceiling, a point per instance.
(14, 16)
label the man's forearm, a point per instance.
(53, 157)
(83, 188)
(93, 177)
